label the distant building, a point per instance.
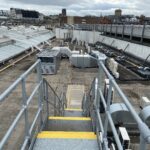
(84, 20)
(118, 12)
(147, 20)
(123, 19)
(118, 18)
(4, 13)
(16, 13)
(64, 12)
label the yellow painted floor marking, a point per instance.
(67, 135)
(69, 118)
(73, 109)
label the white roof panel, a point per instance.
(25, 38)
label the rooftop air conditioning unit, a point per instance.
(144, 102)
(124, 138)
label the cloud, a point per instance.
(81, 7)
(63, 3)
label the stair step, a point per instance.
(66, 135)
(73, 113)
(66, 141)
(69, 124)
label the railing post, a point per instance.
(62, 104)
(97, 110)
(131, 34)
(40, 95)
(108, 108)
(96, 93)
(24, 98)
(143, 31)
(100, 77)
(55, 105)
(142, 143)
(46, 97)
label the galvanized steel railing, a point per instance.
(42, 87)
(86, 101)
(58, 103)
(102, 128)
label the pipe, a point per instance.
(12, 64)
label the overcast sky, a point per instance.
(81, 7)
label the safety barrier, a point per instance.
(95, 98)
(45, 93)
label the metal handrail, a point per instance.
(103, 128)
(61, 103)
(26, 102)
(42, 93)
(85, 100)
(13, 86)
(52, 89)
(144, 129)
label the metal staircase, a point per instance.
(71, 132)
(56, 126)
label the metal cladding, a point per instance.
(49, 61)
(63, 51)
(16, 40)
(137, 50)
(86, 60)
(121, 114)
(145, 115)
(83, 61)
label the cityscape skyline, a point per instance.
(82, 7)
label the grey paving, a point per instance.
(65, 144)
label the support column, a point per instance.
(110, 29)
(142, 143)
(131, 35)
(123, 27)
(116, 31)
(143, 31)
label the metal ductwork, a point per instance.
(145, 115)
(86, 60)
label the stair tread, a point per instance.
(66, 144)
(61, 140)
(69, 124)
(72, 113)
(66, 134)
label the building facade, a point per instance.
(84, 20)
(16, 13)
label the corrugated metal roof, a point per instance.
(25, 38)
(9, 51)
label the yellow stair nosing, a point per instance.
(70, 118)
(66, 135)
(73, 109)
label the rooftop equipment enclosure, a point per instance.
(50, 60)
